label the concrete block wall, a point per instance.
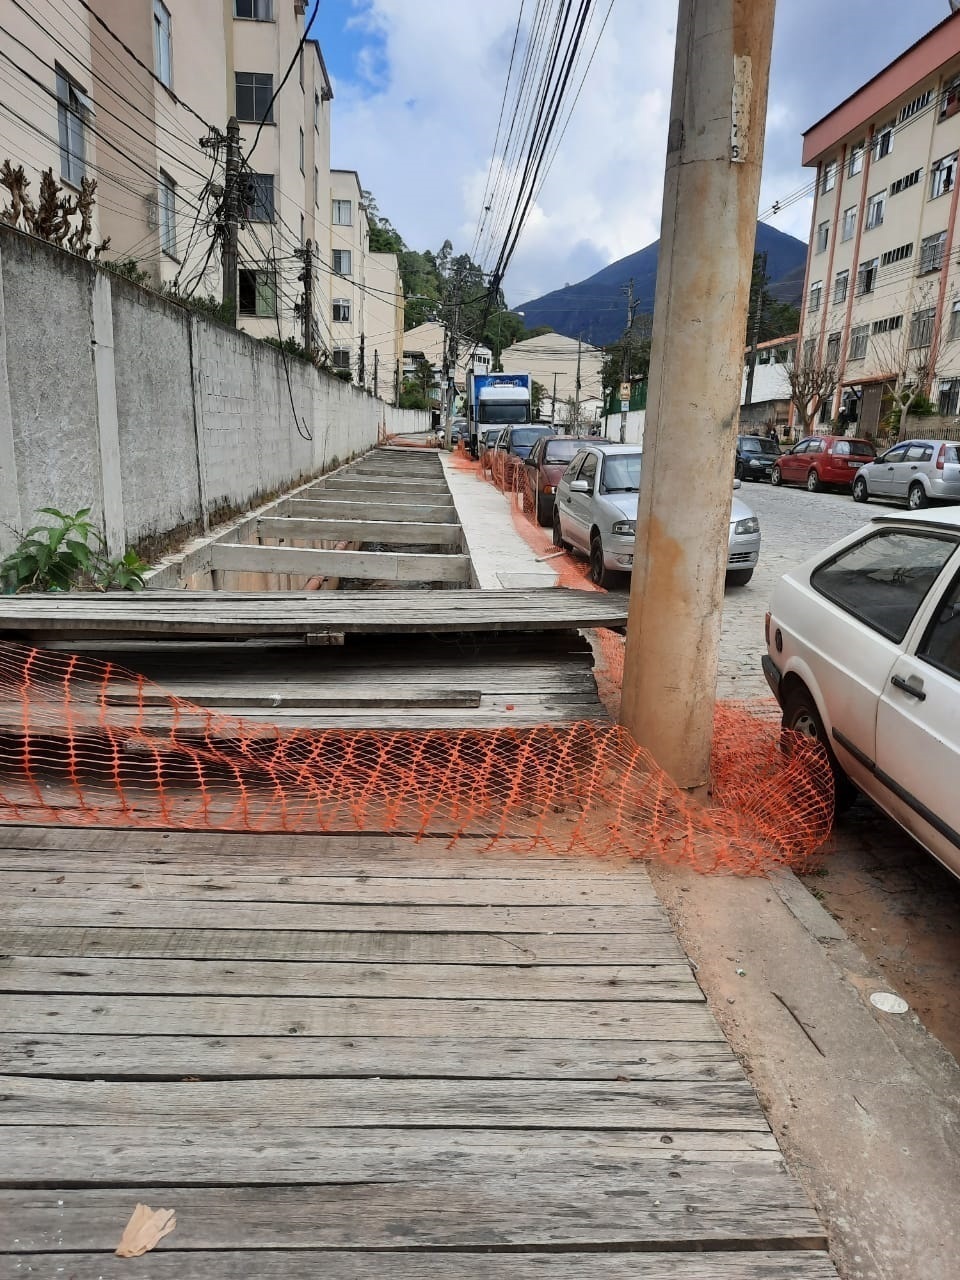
(160, 420)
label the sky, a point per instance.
(418, 86)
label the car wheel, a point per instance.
(917, 497)
(600, 575)
(558, 538)
(738, 470)
(860, 491)
(739, 577)
(800, 716)
(775, 476)
(538, 510)
(813, 481)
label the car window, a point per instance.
(952, 453)
(588, 471)
(621, 473)
(750, 444)
(560, 450)
(919, 453)
(883, 579)
(896, 454)
(815, 446)
(533, 457)
(941, 644)
(858, 448)
(802, 447)
(573, 471)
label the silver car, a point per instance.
(595, 512)
(917, 471)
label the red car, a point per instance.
(545, 464)
(821, 460)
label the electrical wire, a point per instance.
(286, 76)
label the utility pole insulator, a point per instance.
(229, 252)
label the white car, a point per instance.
(863, 653)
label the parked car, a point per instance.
(595, 512)
(919, 471)
(863, 654)
(817, 461)
(458, 430)
(488, 439)
(545, 464)
(520, 440)
(755, 457)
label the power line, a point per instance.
(286, 76)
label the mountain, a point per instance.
(596, 308)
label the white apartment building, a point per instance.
(882, 277)
(553, 359)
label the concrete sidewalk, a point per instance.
(865, 1104)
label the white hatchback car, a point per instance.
(863, 653)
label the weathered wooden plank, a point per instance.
(342, 917)
(173, 1057)
(243, 885)
(279, 978)
(292, 1264)
(340, 507)
(388, 566)
(655, 946)
(224, 693)
(407, 533)
(457, 1019)
(472, 1214)
(409, 487)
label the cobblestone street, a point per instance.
(895, 901)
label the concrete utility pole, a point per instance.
(755, 334)
(376, 373)
(306, 253)
(229, 249)
(576, 403)
(553, 403)
(708, 227)
(362, 362)
(625, 367)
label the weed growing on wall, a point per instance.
(69, 553)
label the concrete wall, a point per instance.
(161, 421)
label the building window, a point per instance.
(840, 283)
(341, 309)
(948, 398)
(816, 295)
(883, 141)
(342, 213)
(73, 107)
(254, 97)
(950, 98)
(918, 104)
(823, 234)
(908, 180)
(253, 10)
(301, 152)
(859, 337)
(901, 252)
(257, 292)
(889, 324)
(301, 66)
(931, 253)
(342, 262)
(856, 159)
(316, 187)
(849, 224)
(167, 202)
(316, 112)
(341, 357)
(867, 276)
(954, 322)
(829, 180)
(921, 327)
(303, 231)
(943, 175)
(875, 211)
(258, 204)
(809, 351)
(162, 45)
(833, 347)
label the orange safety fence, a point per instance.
(85, 742)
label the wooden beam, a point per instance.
(398, 531)
(341, 507)
(368, 566)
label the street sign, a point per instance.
(624, 406)
(624, 390)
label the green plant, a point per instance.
(68, 554)
(129, 268)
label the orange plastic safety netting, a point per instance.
(84, 742)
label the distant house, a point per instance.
(770, 395)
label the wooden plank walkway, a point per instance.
(211, 614)
(358, 1057)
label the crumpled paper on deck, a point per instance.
(146, 1227)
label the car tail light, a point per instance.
(766, 629)
(940, 457)
(547, 488)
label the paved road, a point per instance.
(896, 902)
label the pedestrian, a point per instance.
(772, 433)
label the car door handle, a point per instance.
(915, 690)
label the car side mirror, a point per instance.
(579, 486)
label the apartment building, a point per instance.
(882, 273)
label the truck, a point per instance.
(496, 400)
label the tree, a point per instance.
(537, 394)
(634, 349)
(777, 319)
(812, 379)
(384, 237)
(412, 397)
(908, 358)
